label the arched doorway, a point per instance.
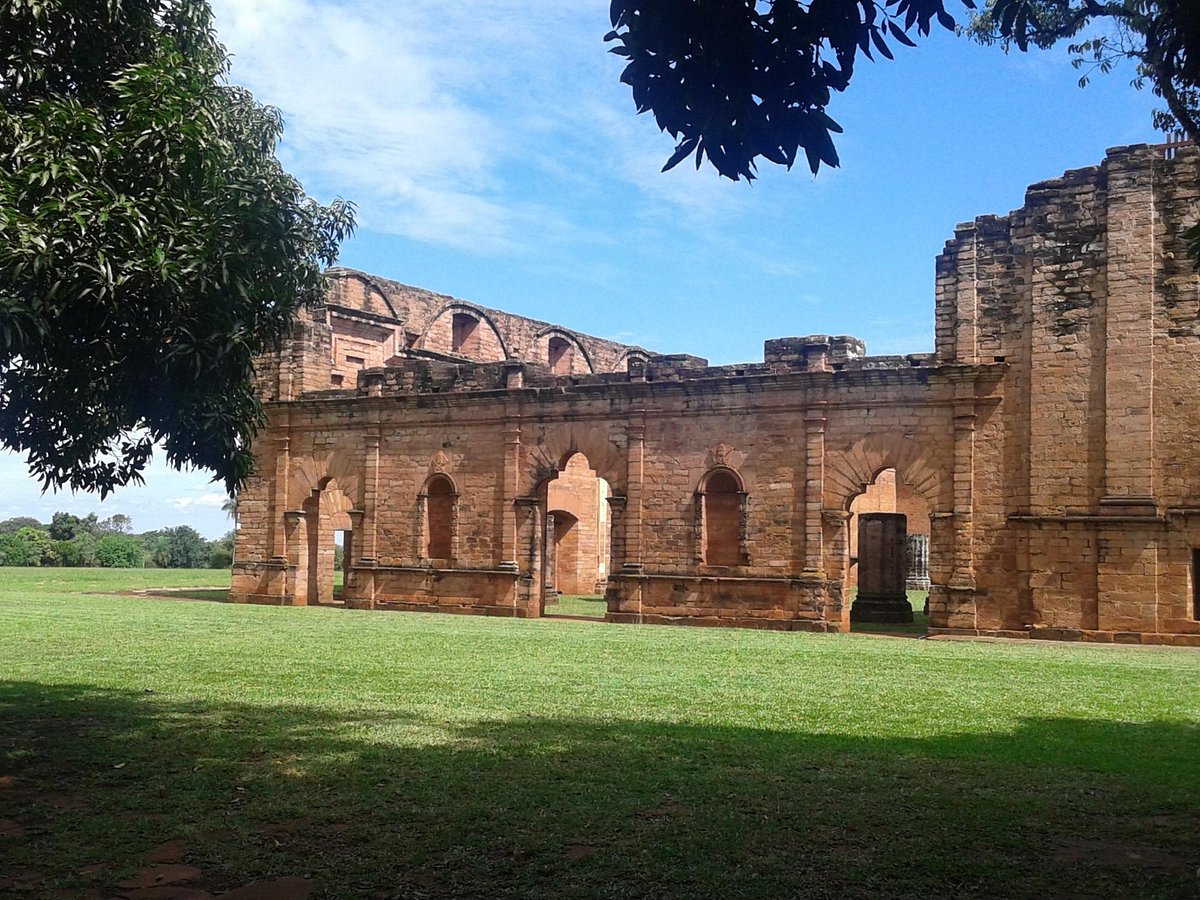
(326, 524)
(576, 539)
(890, 494)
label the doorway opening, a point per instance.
(341, 561)
(576, 540)
(905, 546)
(326, 525)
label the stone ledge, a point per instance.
(818, 626)
(1075, 635)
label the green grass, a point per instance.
(391, 754)
(918, 626)
(591, 607)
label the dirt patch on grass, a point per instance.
(193, 595)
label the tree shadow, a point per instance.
(379, 803)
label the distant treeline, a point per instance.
(71, 541)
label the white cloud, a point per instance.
(394, 106)
(455, 124)
(213, 501)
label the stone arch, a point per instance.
(308, 474)
(437, 513)
(540, 351)
(889, 493)
(848, 472)
(557, 445)
(927, 469)
(371, 289)
(622, 363)
(574, 534)
(325, 510)
(721, 469)
(339, 505)
(721, 518)
(432, 338)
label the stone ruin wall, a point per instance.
(1088, 298)
(805, 431)
(1050, 436)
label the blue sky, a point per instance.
(494, 155)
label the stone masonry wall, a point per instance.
(1050, 438)
(1087, 296)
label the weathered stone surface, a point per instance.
(1046, 447)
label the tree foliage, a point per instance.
(118, 551)
(151, 245)
(78, 551)
(27, 547)
(13, 525)
(64, 526)
(735, 80)
(180, 547)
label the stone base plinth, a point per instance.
(887, 610)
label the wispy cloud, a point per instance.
(212, 501)
(455, 124)
(374, 111)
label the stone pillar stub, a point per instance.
(882, 545)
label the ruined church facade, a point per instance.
(481, 462)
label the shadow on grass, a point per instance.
(216, 595)
(383, 804)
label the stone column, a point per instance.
(616, 532)
(636, 432)
(917, 563)
(814, 487)
(834, 565)
(351, 550)
(549, 557)
(370, 554)
(963, 576)
(743, 557)
(365, 580)
(279, 501)
(1129, 336)
(881, 550)
(510, 480)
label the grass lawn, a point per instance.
(590, 607)
(406, 755)
(919, 624)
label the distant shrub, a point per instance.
(27, 547)
(116, 551)
(78, 551)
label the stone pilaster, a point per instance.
(632, 520)
(371, 442)
(510, 479)
(1129, 334)
(814, 489)
(279, 500)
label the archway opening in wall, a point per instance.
(722, 514)
(327, 524)
(576, 540)
(341, 543)
(464, 334)
(888, 548)
(561, 356)
(439, 525)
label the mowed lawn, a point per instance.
(405, 755)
